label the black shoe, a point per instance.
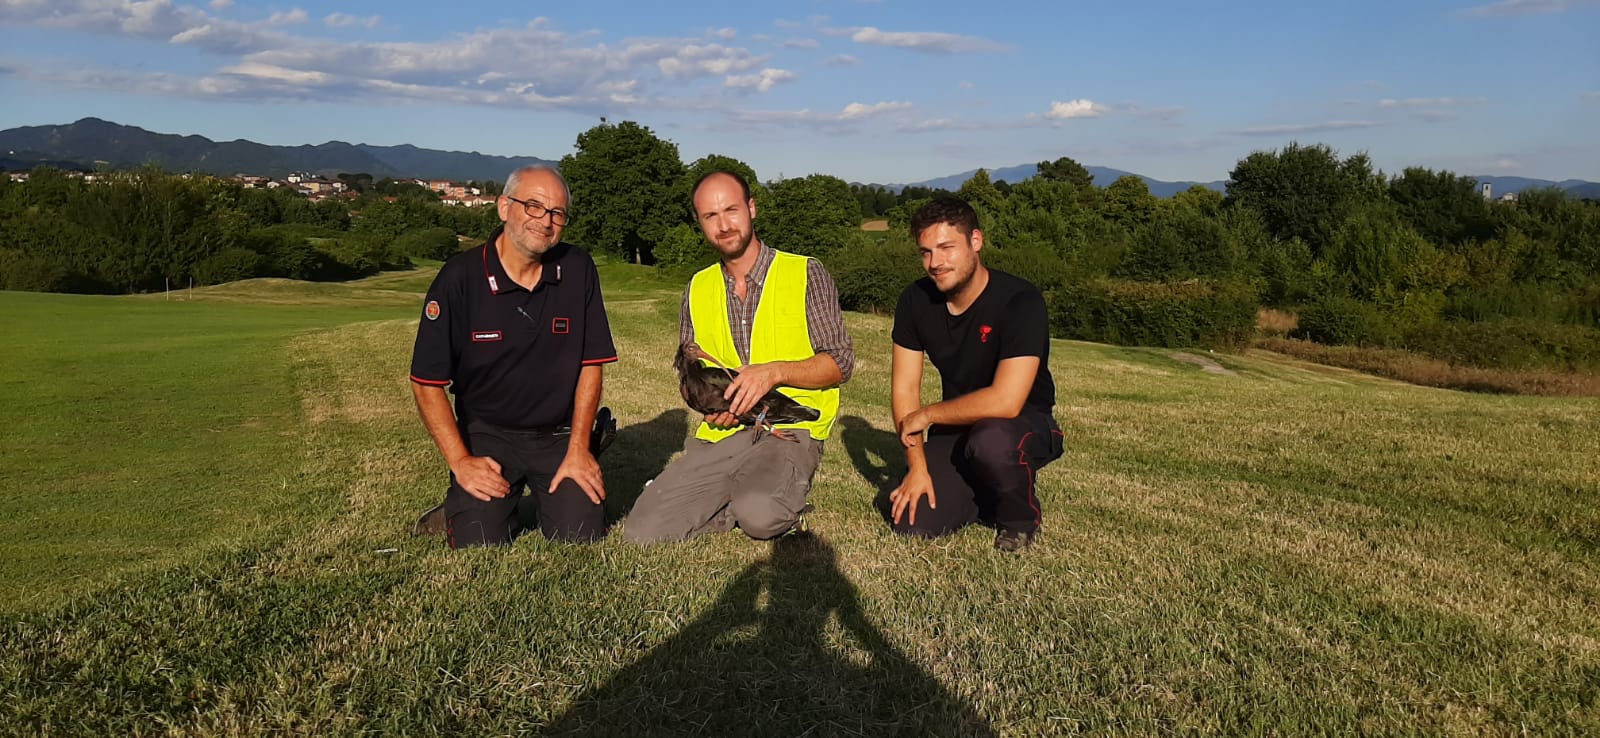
(430, 523)
(604, 432)
(1013, 540)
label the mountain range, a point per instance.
(93, 143)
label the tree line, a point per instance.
(1418, 260)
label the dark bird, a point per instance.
(703, 386)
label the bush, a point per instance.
(1509, 344)
(682, 247)
(229, 265)
(1345, 321)
(1196, 313)
(870, 276)
(427, 243)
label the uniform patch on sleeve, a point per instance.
(432, 310)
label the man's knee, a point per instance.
(995, 442)
(762, 516)
(929, 523)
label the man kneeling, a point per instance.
(972, 457)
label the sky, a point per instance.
(871, 91)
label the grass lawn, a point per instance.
(207, 502)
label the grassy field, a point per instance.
(207, 501)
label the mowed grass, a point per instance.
(1285, 548)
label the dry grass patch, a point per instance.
(1416, 369)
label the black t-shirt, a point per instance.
(511, 355)
(1009, 319)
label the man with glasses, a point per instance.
(774, 317)
(517, 330)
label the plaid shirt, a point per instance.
(824, 322)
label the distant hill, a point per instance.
(1105, 175)
(1102, 176)
(91, 141)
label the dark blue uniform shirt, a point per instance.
(509, 354)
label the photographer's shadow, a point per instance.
(877, 454)
(640, 453)
(803, 660)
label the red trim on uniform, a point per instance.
(1033, 500)
(430, 382)
(592, 362)
(487, 275)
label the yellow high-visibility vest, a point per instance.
(780, 333)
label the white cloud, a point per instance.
(1527, 7)
(1591, 95)
(760, 82)
(1506, 164)
(339, 20)
(278, 74)
(966, 85)
(285, 19)
(221, 4)
(857, 111)
(1431, 102)
(930, 42)
(1080, 108)
(726, 34)
(801, 43)
(1299, 128)
(842, 60)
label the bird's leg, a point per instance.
(760, 425)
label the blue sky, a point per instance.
(881, 91)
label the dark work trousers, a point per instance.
(528, 460)
(982, 472)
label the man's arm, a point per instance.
(1013, 379)
(478, 475)
(905, 393)
(579, 465)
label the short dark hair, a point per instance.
(743, 185)
(945, 209)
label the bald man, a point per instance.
(517, 330)
(774, 317)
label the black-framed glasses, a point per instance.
(537, 211)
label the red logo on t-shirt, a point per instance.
(983, 333)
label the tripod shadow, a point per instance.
(640, 453)
(785, 650)
(864, 442)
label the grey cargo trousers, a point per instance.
(759, 487)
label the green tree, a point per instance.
(622, 179)
(1304, 192)
(811, 215)
(1441, 207)
(1065, 169)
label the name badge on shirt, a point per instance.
(561, 326)
(482, 336)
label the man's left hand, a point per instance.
(912, 426)
(580, 466)
(753, 383)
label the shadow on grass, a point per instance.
(785, 650)
(640, 453)
(863, 442)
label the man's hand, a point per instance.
(580, 466)
(912, 426)
(722, 420)
(915, 486)
(753, 383)
(480, 477)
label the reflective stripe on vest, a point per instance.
(781, 333)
